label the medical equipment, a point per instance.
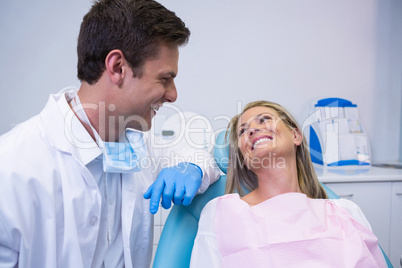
(124, 157)
(336, 135)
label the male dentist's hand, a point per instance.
(178, 184)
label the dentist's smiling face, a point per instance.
(144, 95)
(262, 132)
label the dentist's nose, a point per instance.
(171, 93)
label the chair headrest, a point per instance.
(221, 151)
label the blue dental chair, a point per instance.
(177, 239)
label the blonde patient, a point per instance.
(275, 212)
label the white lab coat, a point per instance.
(50, 203)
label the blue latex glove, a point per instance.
(178, 184)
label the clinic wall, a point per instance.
(400, 138)
(290, 52)
(38, 54)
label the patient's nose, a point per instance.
(253, 131)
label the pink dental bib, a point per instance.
(291, 230)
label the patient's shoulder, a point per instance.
(353, 211)
(209, 208)
(206, 224)
(211, 205)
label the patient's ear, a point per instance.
(297, 137)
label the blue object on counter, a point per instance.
(316, 149)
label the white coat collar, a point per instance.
(65, 131)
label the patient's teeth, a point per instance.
(260, 140)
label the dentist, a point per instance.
(78, 181)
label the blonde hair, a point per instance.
(242, 180)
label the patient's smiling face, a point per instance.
(261, 132)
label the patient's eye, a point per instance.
(264, 118)
(241, 131)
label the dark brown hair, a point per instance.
(136, 27)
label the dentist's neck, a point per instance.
(97, 108)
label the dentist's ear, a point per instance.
(115, 66)
(297, 137)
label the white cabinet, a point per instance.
(396, 225)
